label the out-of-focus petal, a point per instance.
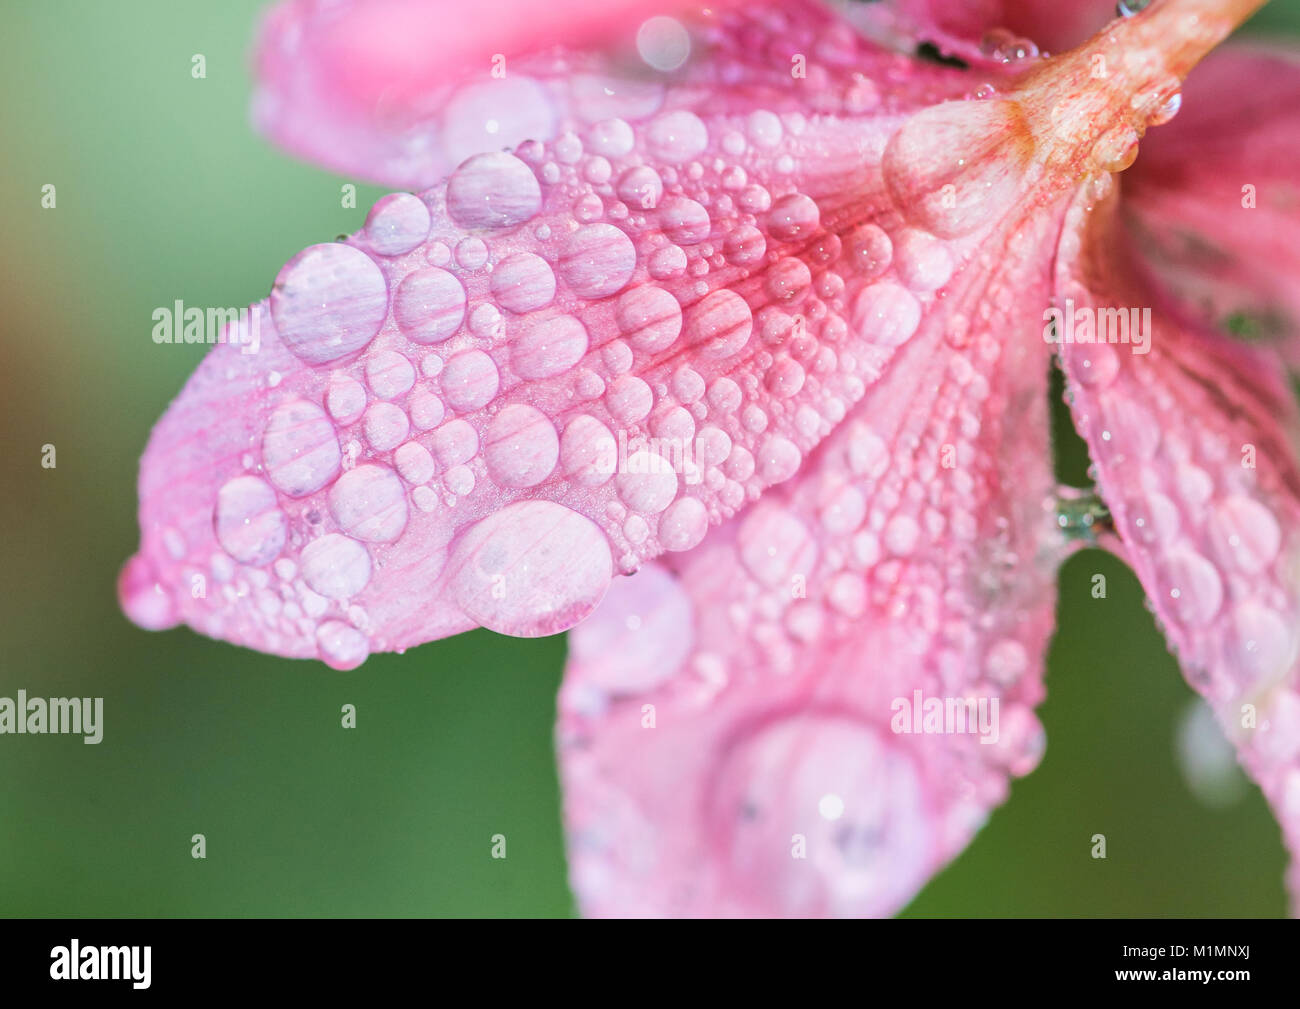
(559, 363)
(1194, 444)
(730, 720)
(1214, 198)
(382, 89)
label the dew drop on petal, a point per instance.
(248, 521)
(429, 305)
(523, 283)
(648, 483)
(397, 223)
(470, 380)
(649, 317)
(389, 374)
(887, 313)
(328, 302)
(300, 450)
(857, 801)
(597, 261)
(369, 502)
(720, 324)
(793, 217)
(386, 426)
(341, 645)
(677, 137)
(335, 566)
(549, 347)
(494, 190)
(520, 446)
(530, 569)
(588, 452)
(683, 524)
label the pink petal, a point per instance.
(382, 90)
(425, 440)
(1194, 445)
(727, 720)
(1227, 252)
(723, 709)
(402, 91)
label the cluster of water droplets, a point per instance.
(536, 332)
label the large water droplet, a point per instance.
(677, 137)
(520, 446)
(597, 261)
(300, 450)
(429, 305)
(494, 190)
(328, 302)
(856, 801)
(248, 521)
(523, 283)
(533, 568)
(954, 167)
(397, 223)
(369, 502)
(335, 566)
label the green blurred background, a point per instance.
(164, 192)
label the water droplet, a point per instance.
(523, 283)
(648, 483)
(429, 306)
(793, 217)
(389, 374)
(744, 245)
(720, 325)
(470, 380)
(300, 449)
(328, 302)
(1195, 590)
(764, 128)
(956, 166)
(386, 426)
(248, 521)
(611, 137)
(454, 443)
(588, 452)
(684, 221)
(397, 223)
(629, 399)
(663, 43)
(923, 262)
(426, 410)
(1128, 8)
(369, 502)
(641, 188)
(677, 137)
(887, 313)
(341, 646)
(649, 317)
(494, 190)
(520, 446)
(346, 398)
(414, 463)
(870, 251)
(597, 261)
(1245, 533)
(533, 568)
(786, 777)
(335, 566)
(547, 348)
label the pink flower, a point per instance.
(757, 312)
